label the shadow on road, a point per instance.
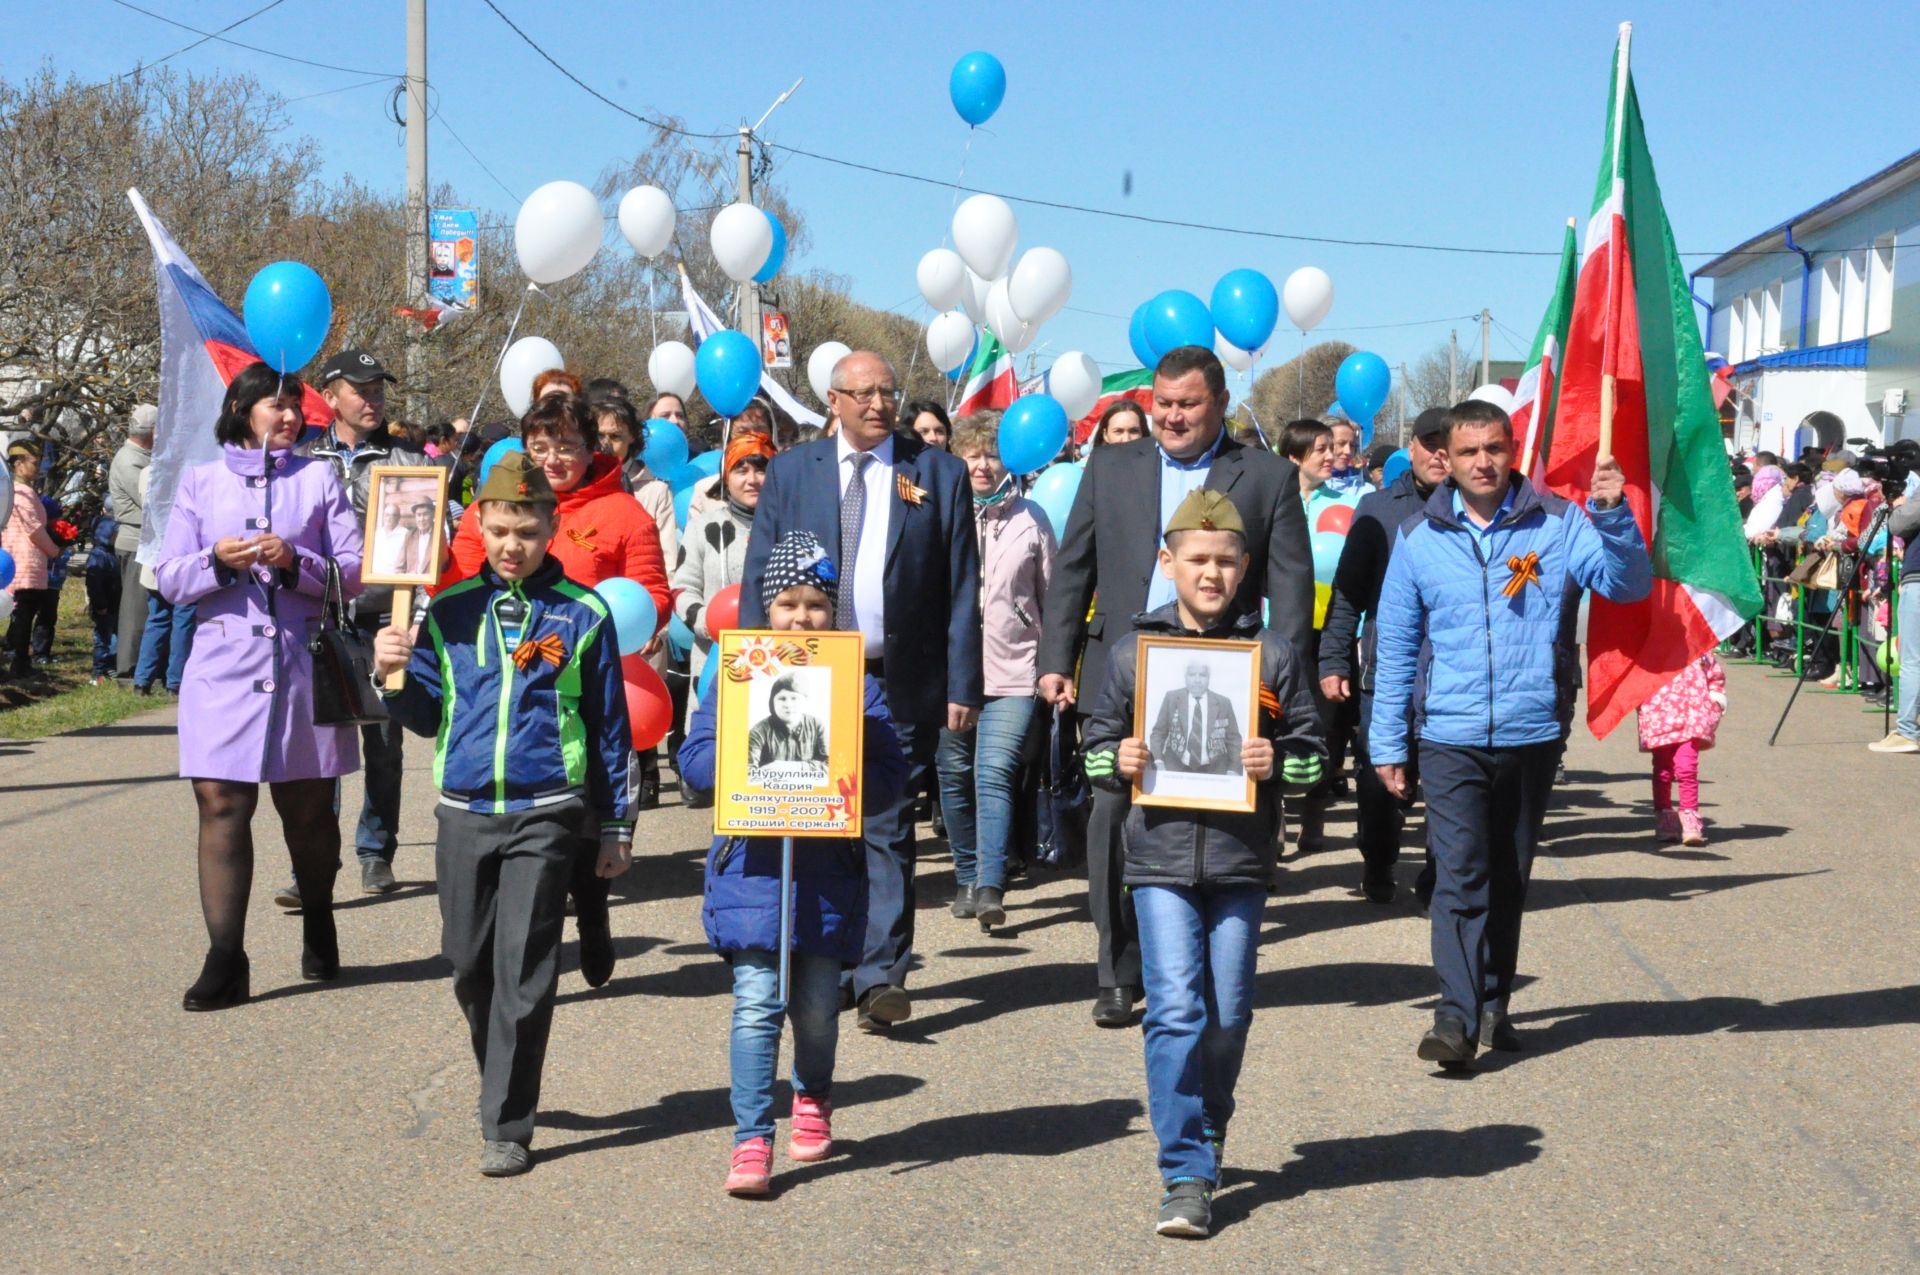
(121, 781)
(1367, 1161)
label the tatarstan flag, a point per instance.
(990, 381)
(1135, 386)
(1537, 394)
(1635, 368)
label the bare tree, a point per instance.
(1302, 386)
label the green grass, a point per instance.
(58, 699)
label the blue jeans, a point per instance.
(978, 769)
(813, 1008)
(1909, 620)
(1197, 949)
(165, 643)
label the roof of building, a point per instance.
(1841, 354)
(1896, 174)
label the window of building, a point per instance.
(1770, 318)
(1829, 310)
(1737, 330)
(1853, 303)
(1880, 286)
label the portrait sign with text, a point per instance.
(1194, 701)
(406, 525)
(791, 712)
(454, 273)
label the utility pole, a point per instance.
(416, 399)
(1486, 350)
(1453, 366)
(749, 307)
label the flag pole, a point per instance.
(1604, 450)
(1541, 405)
(786, 918)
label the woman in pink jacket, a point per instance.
(979, 768)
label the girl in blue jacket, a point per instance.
(741, 904)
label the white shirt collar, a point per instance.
(882, 453)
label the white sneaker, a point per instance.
(1895, 742)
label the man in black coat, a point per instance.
(1106, 561)
(1356, 592)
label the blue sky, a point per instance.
(1480, 128)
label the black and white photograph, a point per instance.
(788, 745)
(406, 508)
(1194, 704)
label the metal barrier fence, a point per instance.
(1808, 621)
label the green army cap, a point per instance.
(1206, 510)
(516, 480)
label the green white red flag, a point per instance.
(1135, 386)
(1635, 370)
(1535, 398)
(990, 381)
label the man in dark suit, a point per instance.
(901, 514)
(1106, 560)
(1195, 729)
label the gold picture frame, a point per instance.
(791, 710)
(1194, 757)
(395, 552)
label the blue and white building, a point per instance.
(1820, 318)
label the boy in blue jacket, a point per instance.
(741, 904)
(1199, 878)
(517, 675)
(1473, 649)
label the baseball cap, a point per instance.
(353, 364)
(1430, 422)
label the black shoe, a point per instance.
(288, 897)
(697, 798)
(937, 819)
(1186, 1210)
(883, 1006)
(987, 909)
(1423, 886)
(1496, 1032)
(1113, 1007)
(376, 877)
(222, 983)
(963, 904)
(1378, 885)
(596, 952)
(649, 798)
(320, 948)
(1446, 1043)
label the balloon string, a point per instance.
(966, 153)
(473, 421)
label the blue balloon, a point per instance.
(494, 453)
(1176, 318)
(958, 374)
(707, 463)
(778, 256)
(1054, 491)
(6, 568)
(1397, 464)
(728, 370)
(287, 312)
(1137, 336)
(679, 638)
(705, 683)
(634, 616)
(1361, 385)
(663, 448)
(1245, 308)
(977, 85)
(683, 505)
(1032, 432)
(684, 478)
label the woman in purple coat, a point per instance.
(248, 540)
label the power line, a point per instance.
(252, 48)
(476, 159)
(378, 79)
(211, 35)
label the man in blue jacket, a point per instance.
(1470, 640)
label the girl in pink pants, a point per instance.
(1676, 725)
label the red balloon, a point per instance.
(724, 611)
(649, 706)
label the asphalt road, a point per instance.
(1724, 1049)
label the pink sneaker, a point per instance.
(752, 1170)
(1693, 829)
(812, 1134)
(1666, 825)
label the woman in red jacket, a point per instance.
(600, 533)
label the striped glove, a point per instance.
(1300, 772)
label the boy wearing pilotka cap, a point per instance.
(517, 674)
(1199, 878)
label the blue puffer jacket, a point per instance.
(1479, 668)
(741, 903)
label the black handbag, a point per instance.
(344, 693)
(1064, 797)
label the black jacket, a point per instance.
(1165, 845)
(1356, 581)
(380, 448)
(1112, 542)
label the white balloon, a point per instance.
(742, 239)
(1040, 284)
(1013, 332)
(1074, 382)
(1498, 395)
(973, 298)
(646, 219)
(950, 339)
(670, 368)
(820, 366)
(1232, 355)
(558, 231)
(1307, 297)
(525, 359)
(985, 231)
(942, 277)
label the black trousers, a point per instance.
(1484, 811)
(892, 851)
(1382, 816)
(1116, 932)
(32, 609)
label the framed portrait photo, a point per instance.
(791, 713)
(406, 525)
(1194, 700)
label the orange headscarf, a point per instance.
(747, 446)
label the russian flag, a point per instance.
(1722, 378)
